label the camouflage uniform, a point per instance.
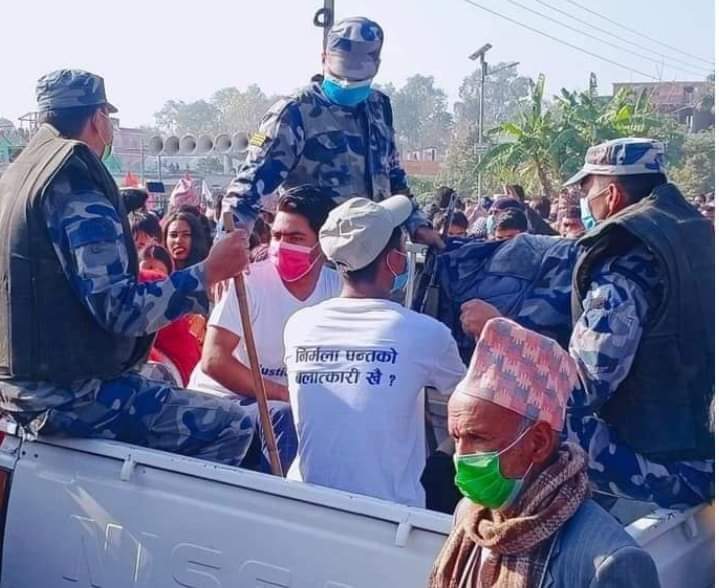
(624, 292)
(87, 236)
(604, 344)
(307, 139)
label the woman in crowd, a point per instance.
(185, 239)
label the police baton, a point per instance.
(258, 383)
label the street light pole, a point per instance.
(483, 73)
(480, 54)
(480, 142)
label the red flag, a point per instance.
(131, 181)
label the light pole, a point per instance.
(479, 54)
(483, 73)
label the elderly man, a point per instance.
(336, 134)
(527, 520)
(75, 323)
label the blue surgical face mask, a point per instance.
(345, 93)
(400, 280)
(588, 219)
(490, 225)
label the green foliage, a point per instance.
(242, 110)
(197, 117)
(542, 146)
(530, 150)
(584, 120)
(420, 113)
(421, 187)
(229, 110)
(503, 93)
(695, 173)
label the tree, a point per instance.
(503, 94)
(460, 167)
(421, 118)
(530, 152)
(585, 120)
(242, 110)
(196, 118)
(695, 174)
(547, 143)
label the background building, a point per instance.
(690, 103)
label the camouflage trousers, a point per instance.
(134, 409)
(283, 427)
(615, 470)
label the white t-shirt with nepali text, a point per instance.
(357, 369)
(271, 305)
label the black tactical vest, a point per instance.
(662, 409)
(46, 333)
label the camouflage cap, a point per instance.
(69, 88)
(622, 157)
(353, 48)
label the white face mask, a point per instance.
(107, 149)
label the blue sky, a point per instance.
(153, 50)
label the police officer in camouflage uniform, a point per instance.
(643, 338)
(642, 309)
(75, 324)
(336, 134)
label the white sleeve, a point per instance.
(226, 313)
(448, 369)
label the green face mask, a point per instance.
(479, 478)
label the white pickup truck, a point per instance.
(100, 514)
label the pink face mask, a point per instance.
(293, 262)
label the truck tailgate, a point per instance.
(103, 514)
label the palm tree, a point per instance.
(530, 151)
(586, 120)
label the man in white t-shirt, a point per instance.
(357, 365)
(293, 277)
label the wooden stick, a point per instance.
(259, 383)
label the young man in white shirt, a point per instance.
(294, 276)
(357, 365)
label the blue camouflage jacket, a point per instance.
(98, 270)
(306, 139)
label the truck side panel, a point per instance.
(73, 521)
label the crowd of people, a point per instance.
(540, 432)
(510, 213)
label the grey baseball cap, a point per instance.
(353, 48)
(357, 231)
(622, 157)
(69, 88)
